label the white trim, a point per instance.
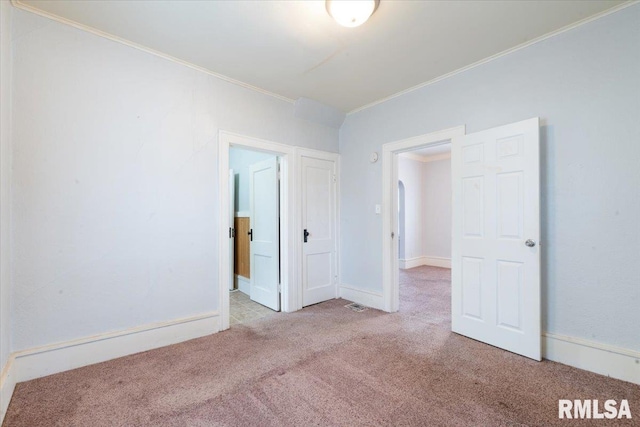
(7, 385)
(18, 4)
(425, 159)
(242, 214)
(498, 55)
(244, 285)
(437, 261)
(615, 362)
(390, 151)
(362, 296)
(50, 359)
(38, 362)
(405, 264)
(288, 256)
(434, 261)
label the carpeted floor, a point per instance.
(324, 365)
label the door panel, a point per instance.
(319, 272)
(264, 261)
(495, 274)
(232, 197)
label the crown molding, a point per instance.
(19, 5)
(500, 54)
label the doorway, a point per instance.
(495, 258)
(424, 230)
(391, 153)
(308, 201)
(279, 286)
(424, 214)
(255, 244)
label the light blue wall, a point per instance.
(584, 84)
(5, 185)
(115, 181)
(240, 160)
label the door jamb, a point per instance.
(288, 256)
(390, 151)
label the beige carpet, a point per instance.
(324, 365)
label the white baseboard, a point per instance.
(405, 264)
(51, 359)
(7, 385)
(361, 296)
(602, 359)
(244, 284)
(434, 261)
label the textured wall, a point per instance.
(115, 181)
(240, 160)
(584, 86)
(5, 181)
(436, 208)
(410, 173)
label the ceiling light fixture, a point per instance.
(351, 13)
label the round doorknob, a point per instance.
(530, 243)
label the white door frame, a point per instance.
(390, 151)
(288, 256)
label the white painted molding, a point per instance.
(405, 264)
(7, 385)
(498, 55)
(50, 359)
(437, 261)
(362, 296)
(425, 159)
(434, 261)
(614, 362)
(18, 4)
(244, 284)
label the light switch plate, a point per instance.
(378, 209)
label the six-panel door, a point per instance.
(496, 229)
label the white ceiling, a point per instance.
(294, 49)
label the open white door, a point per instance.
(232, 230)
(496, 232)
(319, 272)
(265, 233)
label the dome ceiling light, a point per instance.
(351, 13)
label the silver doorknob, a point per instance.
(530, 243)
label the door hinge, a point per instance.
(232, 232)
(393, 234)
(334, 178)
(279, 288)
